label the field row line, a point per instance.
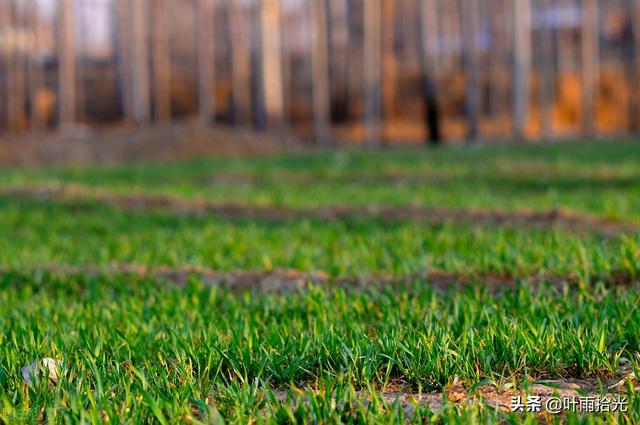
(284, 280)
(557, 218)
(580, 395)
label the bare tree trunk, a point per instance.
(546, 81)
(590, 58)
(339, 57)
(521, 66)
(67, 65)
(80, 51)
(36, 71)
(5, 26)
(499, 64)
(258, 107)
(565, 55)
(20, 71)
(285, 52)
(205, 21)
(123, 57)
(10, 55)
(161, 62)
(272, 63)
(410, 43)
(634, 66)
(372, 70)
(470, 60)
(428, 36)
(429, 10)
(355, 60)
(320, 63)
(493, 60)
(451, 22)
(139, 61)
(389, 63)
(240, 64)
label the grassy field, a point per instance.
(529, 306)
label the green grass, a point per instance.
(141, 349)
(33, 233)
(136, 344)
(597, 178)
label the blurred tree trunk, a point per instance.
(389, 62)
(205, 21)
(20, 62)
(80, 52)
(340, 59)
(546, 82)
(6, 57)
(5, 26)
(123, 57)
(8, 23)
(590, 65)
(356, 60)
(429, 18)
(285, 53)
(470, 61)
(67, 63)
(428, 33)
(565, 42)
(258, 107)
(161, 62)
(272, 63)
(139, 61)
(372, 70)
(499, 60)
(36, 70)
(318, 14)
(634, 65)
(240, 64)
(410, 43)
(521, 65)
(17, 66)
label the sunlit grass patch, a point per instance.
(544, 304)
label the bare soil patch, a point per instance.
(115, 145)
(612, 388)
(285, 280)
(558, 218)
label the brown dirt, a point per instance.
(286, 280)
(547, 219)
(180, 141)
(497, 398)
